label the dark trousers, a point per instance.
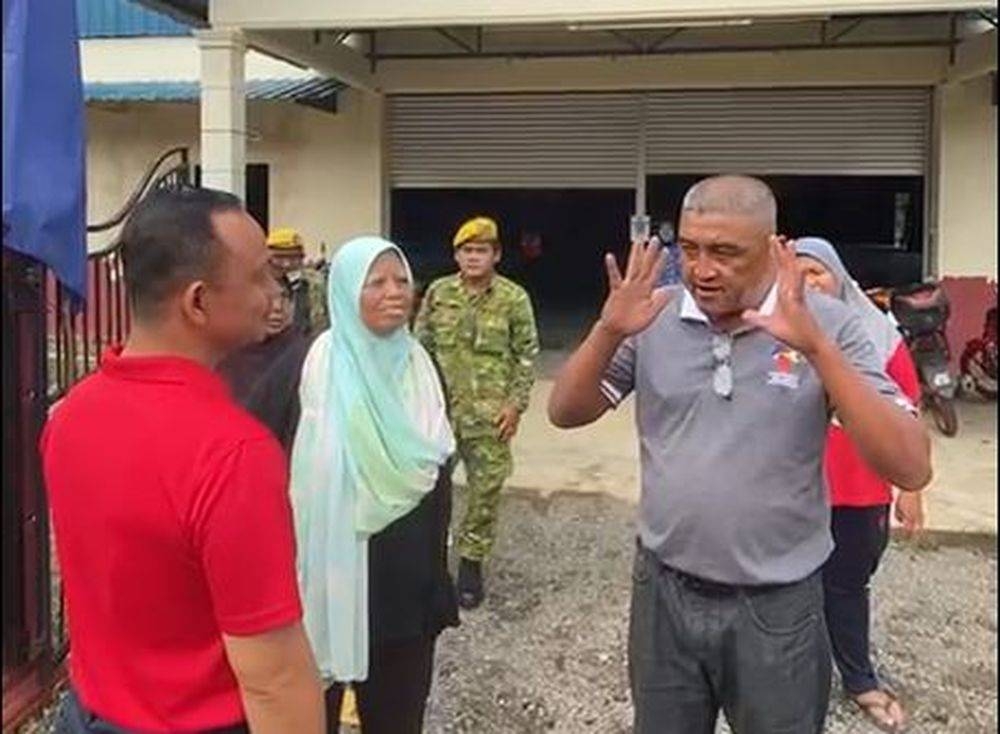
(861, 535)
(74, 718)
(393, 699)
(759, 654)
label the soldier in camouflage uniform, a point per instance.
(480, 329)
(314, 287)
(307, 279)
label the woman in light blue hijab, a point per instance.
(371, 494)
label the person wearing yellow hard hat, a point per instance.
(308, 283)
(286, 247)
(480, 328)
(264, 377)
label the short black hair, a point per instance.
(168, 240)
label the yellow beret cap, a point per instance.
(478, 228)
(284, 238)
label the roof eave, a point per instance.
(191, 12)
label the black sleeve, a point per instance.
(410, 592)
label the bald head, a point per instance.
(741, 196)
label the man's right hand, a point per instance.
(632, 305)
(633, 301)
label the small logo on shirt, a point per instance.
(786, 362)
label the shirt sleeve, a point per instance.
(524, 351)
(860, 352)
(619, 377)
(242, 527)
(903, 371)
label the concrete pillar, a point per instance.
(223, 110)
(967, 205)
(640, 164)
(967, 179)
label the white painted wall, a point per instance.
(326, 171)
(967, 180)
(163, 58)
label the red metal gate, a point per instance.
(50, 343)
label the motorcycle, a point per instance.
(922, 312)
(979, 361)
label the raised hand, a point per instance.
(633, 300)
(791, 322)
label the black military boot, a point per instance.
(470, 583)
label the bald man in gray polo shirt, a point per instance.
(736, 376)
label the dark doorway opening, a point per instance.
(258, 192)
(554, 242)
(258, 198)
(876, 222)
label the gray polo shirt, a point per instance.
(733, 488)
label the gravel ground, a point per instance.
(546, 652)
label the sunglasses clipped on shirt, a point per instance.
(722, 377)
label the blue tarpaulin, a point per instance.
(44, 178)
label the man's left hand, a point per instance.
(791, 322)
(507, 422)
(910, 511)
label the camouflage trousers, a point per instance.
(488, 463)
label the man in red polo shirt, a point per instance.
(169, 502)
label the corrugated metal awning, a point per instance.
(319, 92)
(124, 19)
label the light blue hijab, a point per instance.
(371, 441)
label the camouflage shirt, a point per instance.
(485, 344)
(319, 319)
(309, 296)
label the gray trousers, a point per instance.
(760, 654)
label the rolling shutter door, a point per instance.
(581, 140)
(792, 131)
(514, 140)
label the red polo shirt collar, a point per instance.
(163, 369)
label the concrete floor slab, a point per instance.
(603, 458)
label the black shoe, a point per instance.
(470, 584)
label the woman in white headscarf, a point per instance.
(860, 499)
(371, 495)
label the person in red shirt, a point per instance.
(169, 502)
(860, 499)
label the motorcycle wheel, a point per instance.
(987, 390)
(967, 385)
(943, 412)
(978, 373)
(990, 363)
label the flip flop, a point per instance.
(883, 709)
